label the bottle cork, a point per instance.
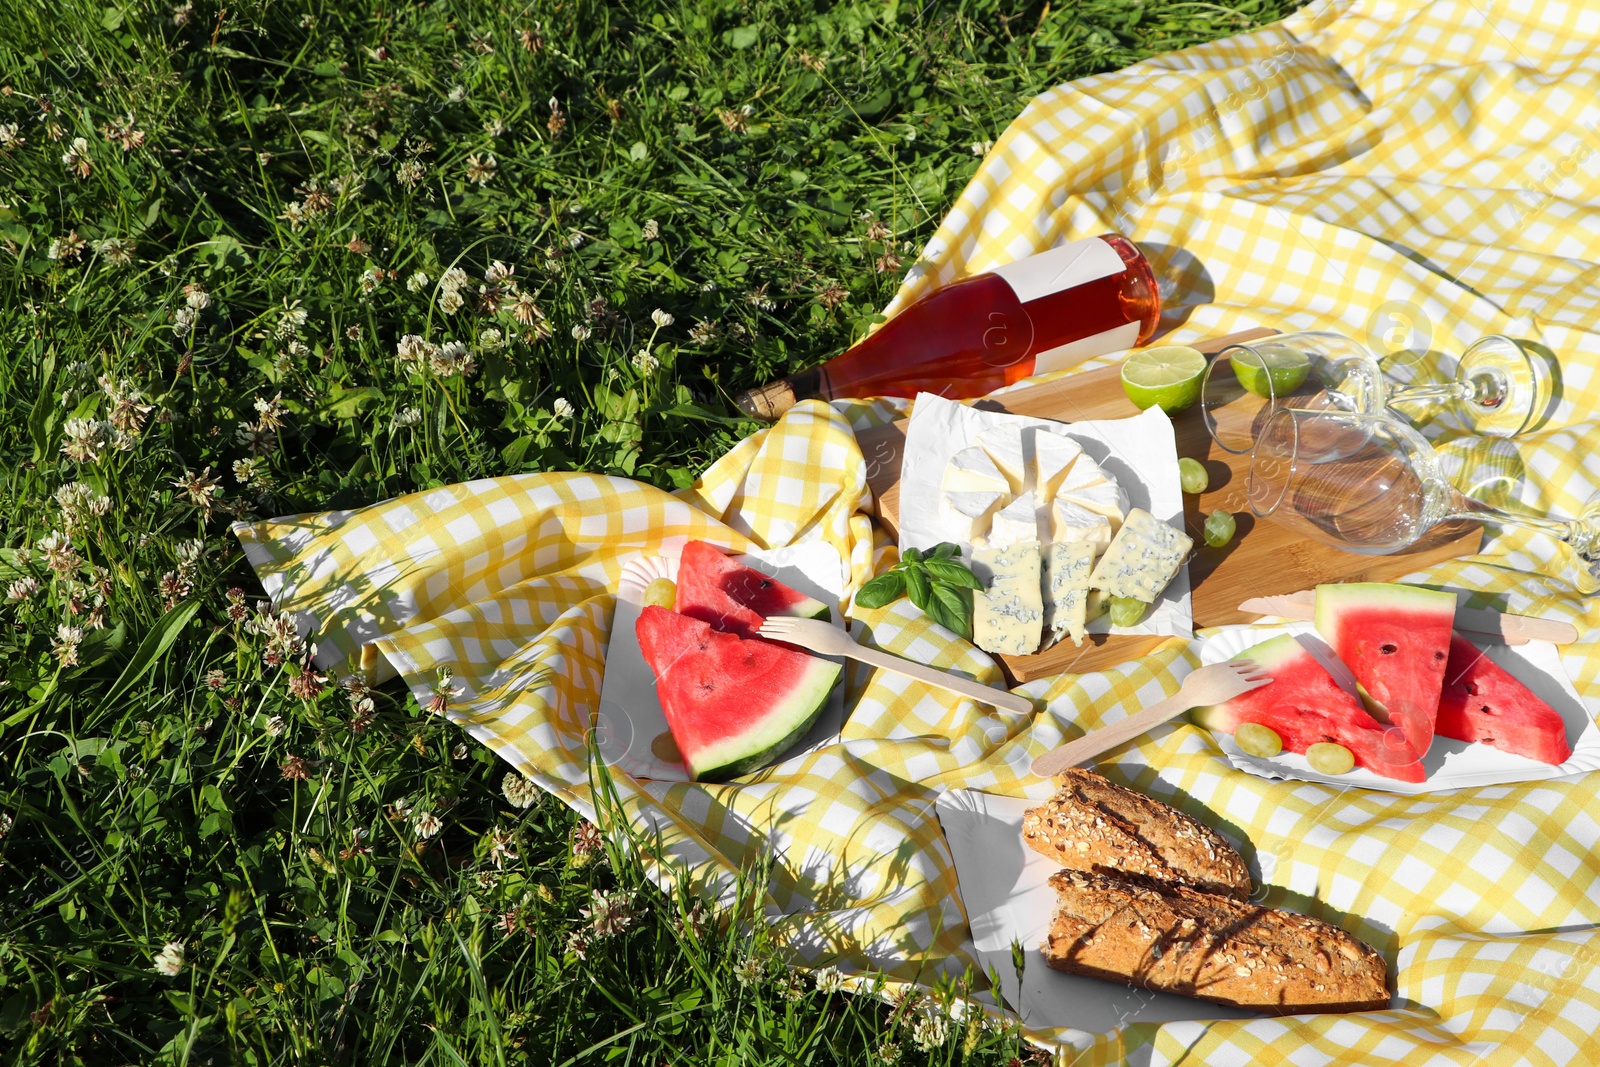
(769, 401)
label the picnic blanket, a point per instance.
(1414, 174)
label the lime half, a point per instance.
(1270, 370)
(1168, 375)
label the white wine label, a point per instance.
(1097, 344)
(1061, 268)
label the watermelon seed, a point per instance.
(1485, 709)
(1437, 656)
(1472, 688)
(766, 583)
(1388, 650)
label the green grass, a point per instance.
(159, 780)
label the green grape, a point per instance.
(1326, 757)
(661, 593)
(1127, 610)
(1257, 740)
(1192, 475)
(1219, 528)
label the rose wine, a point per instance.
(988, 330)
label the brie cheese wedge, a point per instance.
(969, 513)
(1004, 445)
(1014, 524)
(972, 471)
(1053, 455)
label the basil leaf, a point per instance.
(952, 609)
(953, 573)
(946, 550)
(886, 588)
(911, 555)
(918, 586)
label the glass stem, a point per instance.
(1583, 536)
(1445, 391)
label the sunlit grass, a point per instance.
(218, 229)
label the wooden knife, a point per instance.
(1503, 628)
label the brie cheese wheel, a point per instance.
(1106, 499)
(1083, 474)
(1004, 445)
(972, 471)
(969, 513)
(1014, 524)
(1053, 456)
(1071, 523)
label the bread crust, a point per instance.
(1176, 939)
(1092, 824)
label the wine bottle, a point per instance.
(984, 331)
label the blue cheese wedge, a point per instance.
(1053, 456)
(1004, 445)
(1143, 558)
(1065, 573)
(972, 471)
(969, 514)
(1008, 613)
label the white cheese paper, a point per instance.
(1141, 453)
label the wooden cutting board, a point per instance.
(1263, 559)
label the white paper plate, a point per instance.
(1449, 764)
(630, 728)
(1005, 889)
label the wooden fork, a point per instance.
(828, 640)
(1208, 685)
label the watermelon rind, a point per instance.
(733, 704)
(1395, 639)
(789, 721)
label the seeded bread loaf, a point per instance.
(1176, 939)
(1093, 825)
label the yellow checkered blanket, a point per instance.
(1413, 174)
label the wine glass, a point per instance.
(1494, 390)
(1372, 484)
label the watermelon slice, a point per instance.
(1396, 640)
(1483, 702)
(1305, 705)
(733, 597)
(732, 704)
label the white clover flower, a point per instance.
(6, 823)
(661, 318)
(169, 961)
(9, 136)
(371, 278)
(183, 321)
(930, 1031)
(980, 148)
(275, 726)
(575, 239)
(450, 301)
(491, 339)
(498, 273)
(562, 407)
(418, 281)
(645, 362)
(65, 647)
(426, 824)
(749, 971)
(407, 417)
(581, 333)
(451, 359)
(456, 94)
(22, 589)
(412, 348)
(481, 169)
(298, 349)
(116, 252)
(828, 980)
(519, 789)
(291, 320)
(454, 278)
(650, 230)
(196, 296)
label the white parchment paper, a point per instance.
(1141, 453)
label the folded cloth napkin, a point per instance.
(1414, 174)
